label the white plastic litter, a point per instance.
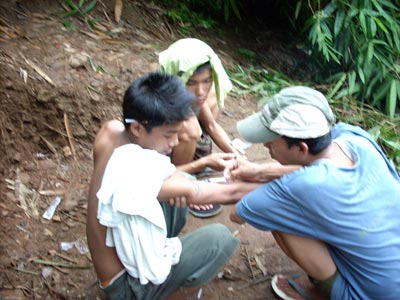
(215, 179)
(67, 245)
(200, 292)
(48, 214)
(78, 244)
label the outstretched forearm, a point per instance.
(215, 161)
(268, 171)
(212, 193)
(199, 192)
(193, 167)
(253, 172)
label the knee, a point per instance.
(221, 236)
(220, 229)
(188, 138)
(191, 132)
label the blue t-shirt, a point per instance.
(354, 210)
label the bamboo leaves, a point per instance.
(363, 38)
(391, 98)
(78, 10)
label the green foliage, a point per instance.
(78, 10)
(181, 14)
(98, 68)
(247, 54)
(200, 13)
(215, 7)
(385, 130)
(261, 83)
(357, 43)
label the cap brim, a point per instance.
(253, 130)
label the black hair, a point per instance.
(156, 99)
(200, 69)
(315, 145)
(203, 67)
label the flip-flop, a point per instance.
(206, 213)
(287, 288)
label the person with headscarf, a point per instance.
(201, 70)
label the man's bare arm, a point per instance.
(215, 161)
(254, 172)
(199, 192)
(217, 133)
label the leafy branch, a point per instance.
(78, 10)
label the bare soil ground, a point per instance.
(57, 87)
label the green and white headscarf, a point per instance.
(186, 55)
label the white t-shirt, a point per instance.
(129, 208)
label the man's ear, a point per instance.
(303, 148)
(136, 129)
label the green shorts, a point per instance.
(204, 252)
(204, 146)
(325, 286)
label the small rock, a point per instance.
(57, 219)
(47, 232)
(79, 60)
(30, 167)
(47, 272)
(44, 96)
(17, 157)
(8, 84)
(95, 82)
(36, 139)
(67, 76)
(74, 63)
(25, 178)
(67, 151)
(94, 97)
(47, 164)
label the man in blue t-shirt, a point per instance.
(335, 211)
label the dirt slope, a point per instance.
(57, 86)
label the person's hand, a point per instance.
(253, 172)
(219, 161)
(244, 170)
(241, 169)
(179, 201)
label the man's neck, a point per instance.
(127, 138)
(337, 156)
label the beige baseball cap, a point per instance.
(296, 112)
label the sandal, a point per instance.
(206, 213)
(295, 287)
